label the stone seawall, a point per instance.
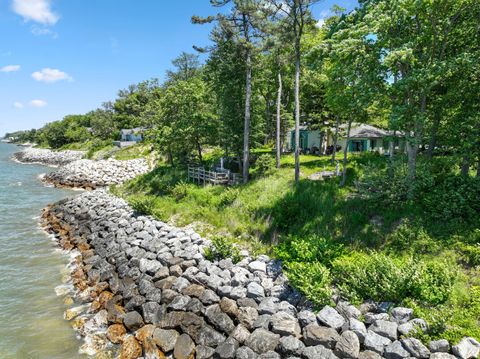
(90, 174)
(47, 157)
(146, 288)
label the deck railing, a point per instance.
(202, 176)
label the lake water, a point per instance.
(31, 314)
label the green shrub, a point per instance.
(412, 239)
(180, 190)
(222, 248)
(457, 318)
(309, 249)
(228, 196)
(265, 165)
(470, 253)
(432, 281)
(312, 279)
(143, 204)
(381, 277)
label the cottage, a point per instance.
(129, 137)
(363, 138)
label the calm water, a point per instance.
(31, 315)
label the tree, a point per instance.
(354, 76)
(186, 67)
(185, 120)
(419, 39)
(298, 15)
(242, 23)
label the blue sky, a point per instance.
(60, 57)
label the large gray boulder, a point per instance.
(314, 334)
(285, 324)
(348, 346)
(439, 346)
(395, 350)
(376, 342)
(385, 328)
(331, 318)
(416, 348)
(467, 348)
(262, 341)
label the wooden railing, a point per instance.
(202, 176)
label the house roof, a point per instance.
(367, 131)
(128, 131)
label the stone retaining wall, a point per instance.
(147, 287)
(92, 174)
(47, 157)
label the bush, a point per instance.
(309, 249)
(412, 239)
(470, 253)
(265, 165)
(228, 196)
(381, 277)
(222, 248)
(180, 190)
(312, 279)
(143, 204)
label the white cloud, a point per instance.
(17, 104)
(36, 10)
(324, 15)
(41, 31)
(49, 75)
(10, 68)
(38, 103)
(320, 23)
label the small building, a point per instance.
(363, 138)
(132, 134)
(129, 137)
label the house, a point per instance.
(129, 137)
(132, 134)
(363, 138)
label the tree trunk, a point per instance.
(433, 136)
(478, 168)
(345, 152)
(297, 110)
(412, 149)
(391, 150)
(465, 169)
(279, 118)
(246, 129)
(335, 140)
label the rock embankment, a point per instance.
(90, 174)
(147, 287)
(47, 157)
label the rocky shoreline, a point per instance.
(144, 289)
(88, 174)
(47, 157)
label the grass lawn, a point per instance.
(331, 237)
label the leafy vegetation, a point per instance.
(403, 228)
(222, 248)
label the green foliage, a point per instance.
(382, 277)
(180, 190)
(309, 249)
(228, 196)
(312, 279)
(265, 165)
(143, 204)
(454, 319)
(470, 253)
(222, 248)
(408, 238)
